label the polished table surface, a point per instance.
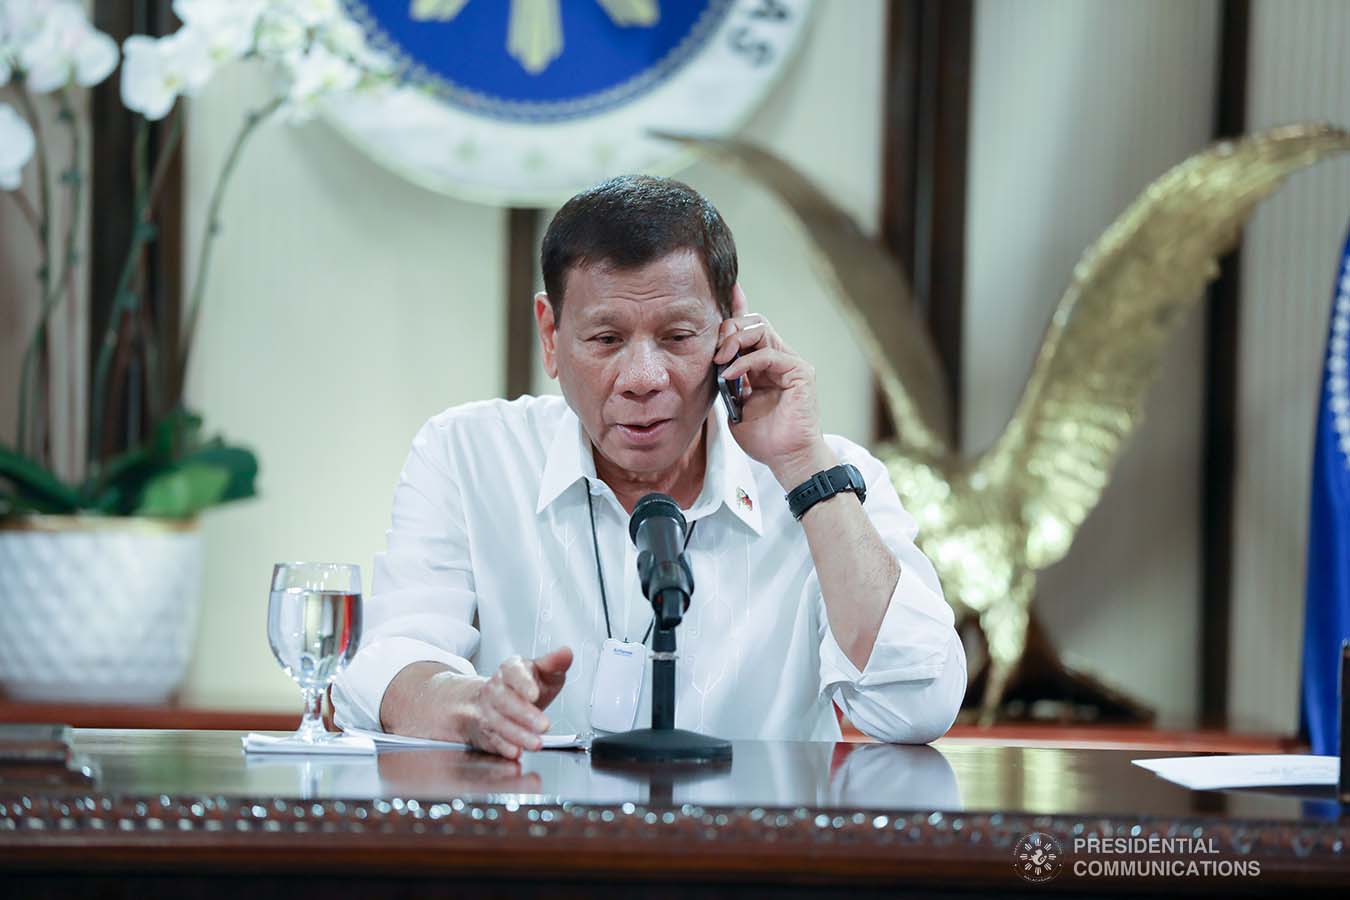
(784, 814)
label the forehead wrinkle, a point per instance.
(684, 308)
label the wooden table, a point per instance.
(184, 813)
(1177, 737)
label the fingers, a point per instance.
(517, 674)
(551, 670)
(506, 736)
(508, 722)
(778, 367)
(491, 742)
(508, 718)
(743, 334)
(509, 704)
(552, 667)
(739, 305)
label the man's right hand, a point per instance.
(502, 714)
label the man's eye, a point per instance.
(681, 336)
(607, 339)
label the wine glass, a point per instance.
(314, 627)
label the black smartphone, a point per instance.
(731, 393)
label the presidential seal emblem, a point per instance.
(1038, 857)
(525, 102)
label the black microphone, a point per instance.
(657, 529)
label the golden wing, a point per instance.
(1129, 294)
(875, 295)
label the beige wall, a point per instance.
(347, 306)
(1075, 108)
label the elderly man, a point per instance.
(509, 572)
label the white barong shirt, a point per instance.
(490, 555)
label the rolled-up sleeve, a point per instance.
(422, 601)
(912, 686)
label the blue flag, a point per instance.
(1326, 617)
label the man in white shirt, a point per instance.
(509, 563)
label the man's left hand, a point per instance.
(780, 425)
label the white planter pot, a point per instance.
(97, 609)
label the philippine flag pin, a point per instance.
(744, 499)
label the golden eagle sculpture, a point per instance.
(990, 522)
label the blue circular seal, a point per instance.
(525, 102)
(538, 60)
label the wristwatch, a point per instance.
(823, 486)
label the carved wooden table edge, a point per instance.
(690, 842)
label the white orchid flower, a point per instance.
(229, 27)
(281, 35)
(16, 147)
(157, 71)
(20, 20)
(315, 75)
(345, 38)
(66, 47)
(313, 13)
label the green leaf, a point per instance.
(117, 488)
(35, 488)
(184, 491)
(176, 434)
(117, 484)
(240, 463)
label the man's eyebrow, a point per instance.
(690, 308)
(676, 309)
(600, 317)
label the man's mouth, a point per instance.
(644, 431)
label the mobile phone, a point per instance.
(731, 393)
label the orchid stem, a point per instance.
(36, 351)
(212, 229)
(44, 219)
(124, 299)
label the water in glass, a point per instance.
(314, 627)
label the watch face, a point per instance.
(855, 479)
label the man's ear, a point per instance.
(739, 305)
(548, 333)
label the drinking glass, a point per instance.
(314, 627)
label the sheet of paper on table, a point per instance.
(338, 745)
(383, 740)
(1210, 773)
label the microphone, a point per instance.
(657, 529)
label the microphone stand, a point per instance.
(669, 586)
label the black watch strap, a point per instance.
(823, 486)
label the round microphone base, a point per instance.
(665, 745)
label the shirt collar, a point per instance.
(728, 481)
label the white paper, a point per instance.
(1209, 773)
(381, 739)
(337, 745)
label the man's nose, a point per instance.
(643, 372)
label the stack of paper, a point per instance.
(337, 745)
(383, 740)
(1211, 773)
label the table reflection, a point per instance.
(775, 774)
